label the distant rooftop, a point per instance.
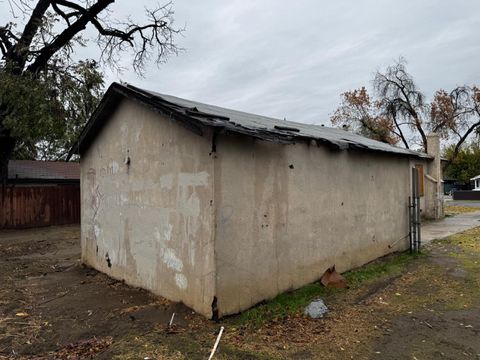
(43, 170)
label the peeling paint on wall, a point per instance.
(154, 220)
(171, 260)
(181, 281)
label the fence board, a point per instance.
(32, 206)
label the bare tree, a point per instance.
(52, 31)
(400, 99)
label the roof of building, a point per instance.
(43, 170)
(196, 116)
(476, 177)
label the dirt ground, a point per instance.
(52, 307)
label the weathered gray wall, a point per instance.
(152, 219)
(285, 213)
(255, 220)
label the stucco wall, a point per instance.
(285, 213)
(150, 222)
(242, 224)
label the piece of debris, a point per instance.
(21, 314)
(331, 278)
(85, 349)
(426, 323)
(171, 327)
(216, 343)
(171, 320)
(316, 309)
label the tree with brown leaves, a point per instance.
(400, 113)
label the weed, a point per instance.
(293, 302)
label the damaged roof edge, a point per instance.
(197, 117)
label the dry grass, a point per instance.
(457, 209)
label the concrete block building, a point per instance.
(211, 206)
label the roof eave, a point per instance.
(198, 122)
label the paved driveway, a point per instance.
(451, 225)
(468, 203)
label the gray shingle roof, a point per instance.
(340, 137)
(196, 115)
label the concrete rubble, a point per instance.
(316, 309)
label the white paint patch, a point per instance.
(192, 205)
(166, 182)
(181, 281)
(168, 232)
(113, 167)
(171, 260)
(193, 179)
(96, 230)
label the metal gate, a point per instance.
(414, 213)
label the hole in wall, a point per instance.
(215, 309)
(214, 145)
(127, 158)
(109, 262)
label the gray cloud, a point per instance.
(293, 59)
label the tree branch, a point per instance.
(456, 150)
(67, 35)
(402, 136)
(155, 36)
(18, 53)
(7, 36)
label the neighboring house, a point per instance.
(43, 172)
(450, 185)
(221, 209)
(473, 194)
(476, 183)
(40, 193)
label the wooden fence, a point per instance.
(32, 206)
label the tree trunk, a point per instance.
(7, 145)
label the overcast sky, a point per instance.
(293, 58)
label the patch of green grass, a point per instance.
(285, 304)
(293, 302)
(468, 243)
(388, 266)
